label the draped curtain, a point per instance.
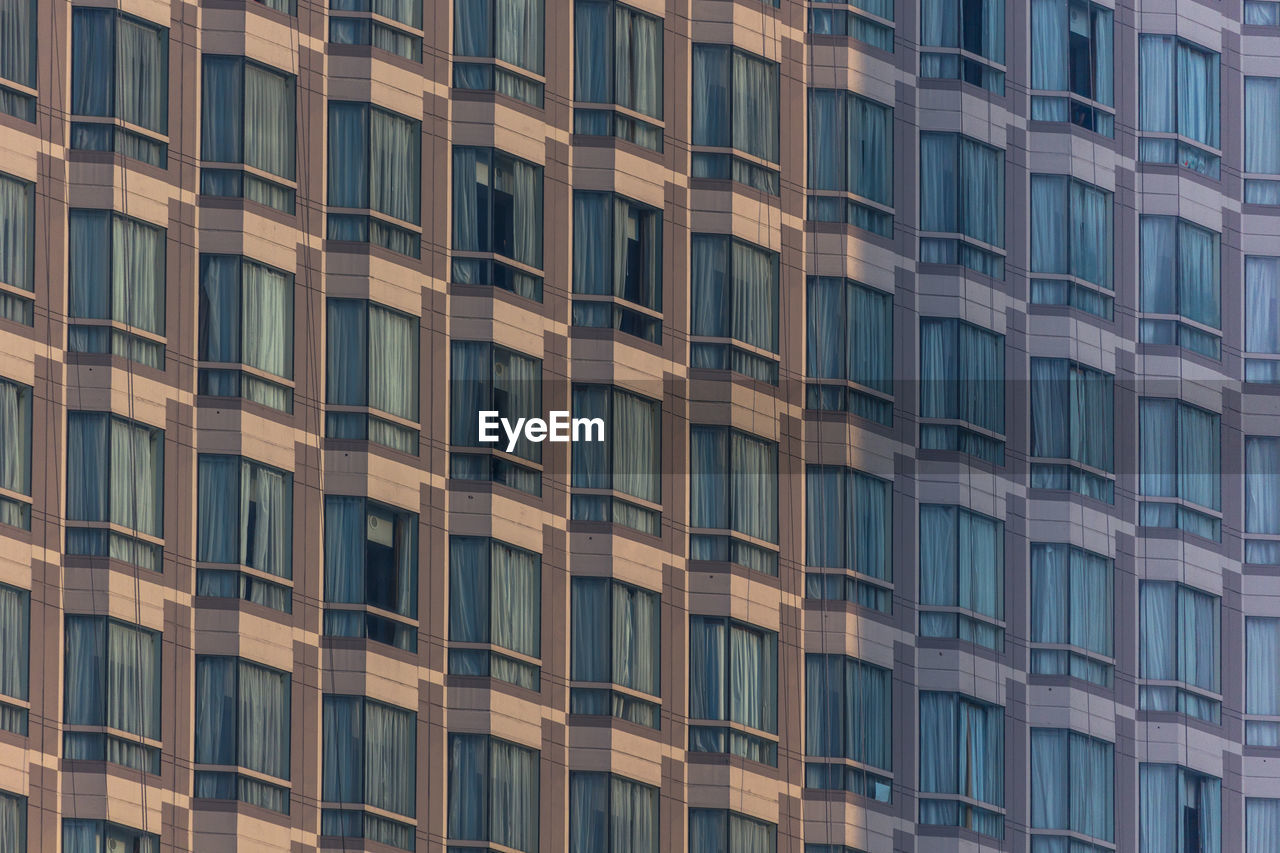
(138, 261)
(269, 120)
(15, 634)
(825, 709)
(17, 232)
(590, 627)
(709, 477)
(527, 214)
(85, 671)
(939, 179)
(90, 242)
(1158, 446)
(981, 191)
(1261, 118)
(220, 308)
(88, 478)
(1262, 662)
(394, 164)
(1198, 634)
(513, 795)
(753, 486)
(1104, 55)
(142, 74)
(755, 106)
(848, 520)
(1071, 593)
(593, 232)
(1052, 412)
(133, 673)
(344, 540)
(517, 33)
(707, 668)
(349, 154)
(342, 739)
(961, 560)
(711, 108)
(1091, 233)
(830, 147)
(267, 312)
(1050, 234)
(748, 835)
(869, 536)
(1262, 824)
(1158, 653)
(1198, 94)
(468, 788)
(473, 27)
(469, 592)
(962, 373)
(589, 812)
(471, 389)
(829, 328)
(1167, 793)
(1199, 456)
(1262, 304)
(638, 44)
(520, 381)
(470, 180)
(710, 309)
(218, 493)
(1157, 79)
(754, 296)
(515, 599)
(390, 758)
(940, 23)
(1072, 783)
(269, 493)
(753, 677)
(636, 445)
(224, 114)
(939, 743)
(393, 362)
(93, 52)
(1049, 58)
(594, 53)
(13, 809)
(633, 816)
(15, 427)
(1262, 485)
(708, 831)
(136, 478)
(348, 352)
(592, 460)
(17, 63)
(870, 336)
(1198, 266)
(216, 711)
(870, 154)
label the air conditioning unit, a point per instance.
(380, 529)
(499, 368)
(117, 845)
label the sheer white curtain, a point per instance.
(1092, 403)
(1262, 662)
(15, 426)
(133, 680)
(85, 699)
(633, 816)
(17, 232)
(267, 341)
(216, 713)
(754, 296)
(393, 362)
(826, 517)
(594, 53)
(390, 758)
(513, 795)
(517, 33)
(869, 135)
(1157, 104)
(590, 629)
(271, 492)
(870, 337)
(1261, 118)
(13, 822)
(395, 165)
(348, 350)
(18, 49)
(269, 124)
(15, 624)
(138, 274)
(828, 144)
(1262, 485)
(468, 787)
(939, 544)
(639, 81)
(219, 493)
(711, 109)
(981, 364)
(1049, 232)
(1091, 787)
(637, 436)
(1198, 635)
(516, 599)
(222, 102)
(1092, 589)
(753, 678)
(523, 385)
(136, 487)
(1262, 304)
(527, 216)
(593, 231)
(142, 74)
(868, 716)
(940, 23)
(1198, 94)
(870, 533)
(755, 106)
(980, 545)
(1198, 269)
(1262, 824)
(707, 668)
(754, 486)
(1049, 63)
(344, 538)
(472, 27)
(1051, 603)
(747, 835)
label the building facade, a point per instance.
(937, 348)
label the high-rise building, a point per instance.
(935, 350)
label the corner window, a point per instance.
(850, 339)
(1180, 278)
(735, 106)
(509, 31)
(971, 33)
(1071, 245)
(15, 454)
(1260, 815)
(612, 814)
(245, 519)
(962, 381)
(13, 821)
(734, 298)
(1072, 47)
(18, 235)
(370, 758)
(724, 831)
(15, 662)
(961, 576)
(119, 85)
(733, 497)
(1180, 638)
(493, 792)
(495, 611)
(733, 685)
(1261, 689)
(1072, 615)
(1262, 499)
(1180, 466)
(18, 33)
(375, 165)
(1262, 319)
(248, 119)
(627, 462)
(851, 151)
(615, 640)
(961, 763)
(849, 525)
(242, 720)
(1072, 418)
(849, 706)
(99, 836)
(113, 681)
(867, 21)
(115, 489)
(618, 64)
(487, 377)
(372, 365)
(1072, 789)
(617, 265)
(370, 565)
(246, 331)
(391, 25)
(1178, 104)
(962, 195)
(497, 211)
(1261, 13)
(117, 299)
(1179, 809)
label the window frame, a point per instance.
(642, 319)
(727, 352)
(1069, 473)
(1072, 832)
(1072, 287)
(613, 503)
(725, 734)
(16, 500)
(844, 768)
(1068, 655)
(466, 460)
(488, 265)
(1176, 328)
(490, 784)
(1172, 146)
(970, 809)
(730, 160)
(1191, 700)
(523, 83)
(971, 624)
(729, 544)
(17, 298)
(864, 396)
(15, 681)
(625, 701)
(951, 431)
(961, 247)
(1176, 510)
(971, 66)
(407, 35)
(628, 123)
(486, 656)
(377, 822)
(1262, 304)
(860, 209)
(858, 21)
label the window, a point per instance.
(15, 454)
(493, 792)
(850, 339)
(1261, 689)
(849, 705)
(961, 575)
(117, 271)
(734, 487)
(962, 379)
(849, 526)
(373, 364)
(396, 29)
(611, 814)
(113, 675)
(851, 151)
(1261, 817)
(1178, 104)
(487, 377)
(375, 165)
(246, 320)
(961, 755)
(735, 297)
(617, 61)
(733, 679)
(735, 105)
(1262, 498)
(370, 758)
(288, 7)
(1071, 244)
(1180, 631)
(495, 602)
(98, 836)
(119, 85)
(1180, 450)
(868, 21)
(497, 211)
(1072, 790)
(242, 720)
(1180, 268)
(972, 35)
(509, 31)
(616, 640)
(627, 462)
(1262, 319)
(13, 821)
(245, 518)
(1261, 149)
(962, 193)
(1261, 13)
(15, 642)
(617, 260)
(18, 34)
(723, 831)
(1072, 419)
(1180, 810)
(115, 489)
(248, 119)
(371, 561)
(17, 242)
(1072, 616)
(1072, 53)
